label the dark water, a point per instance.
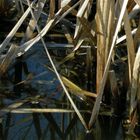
(50, 126)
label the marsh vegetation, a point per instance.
(69, 69)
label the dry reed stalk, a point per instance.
(73, 11)
(65, 2)
(66, 10)
(8, 58)
(137, 37)
(67, 33)
(83, 9)
(55, 70)
(27, 45)
(78, 26)
(78, 44)
(86, 29)
(82, 22)
(89, 70)
(130, 45)
(110, 26)
(67, 58)
(16, 104)
(130, 6)
(134, 12)
(86, 33)
(76, 89)
(31, 26)
(106, 11)
(121, 39)
(64, 46)
(58, 17)
(108, 20)
(28, 34)
(105, 44)
(52, 9)
(137, 1)
(40, 110)
(100, 44)
(13, 31)
(59, 4)
(135, 89)
(66, 30)
(96, 107)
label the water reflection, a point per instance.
(57, 126)
(43, 91)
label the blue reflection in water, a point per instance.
(21, 126)
(54, 126)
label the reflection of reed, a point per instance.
(36, 120)
(6, 130)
